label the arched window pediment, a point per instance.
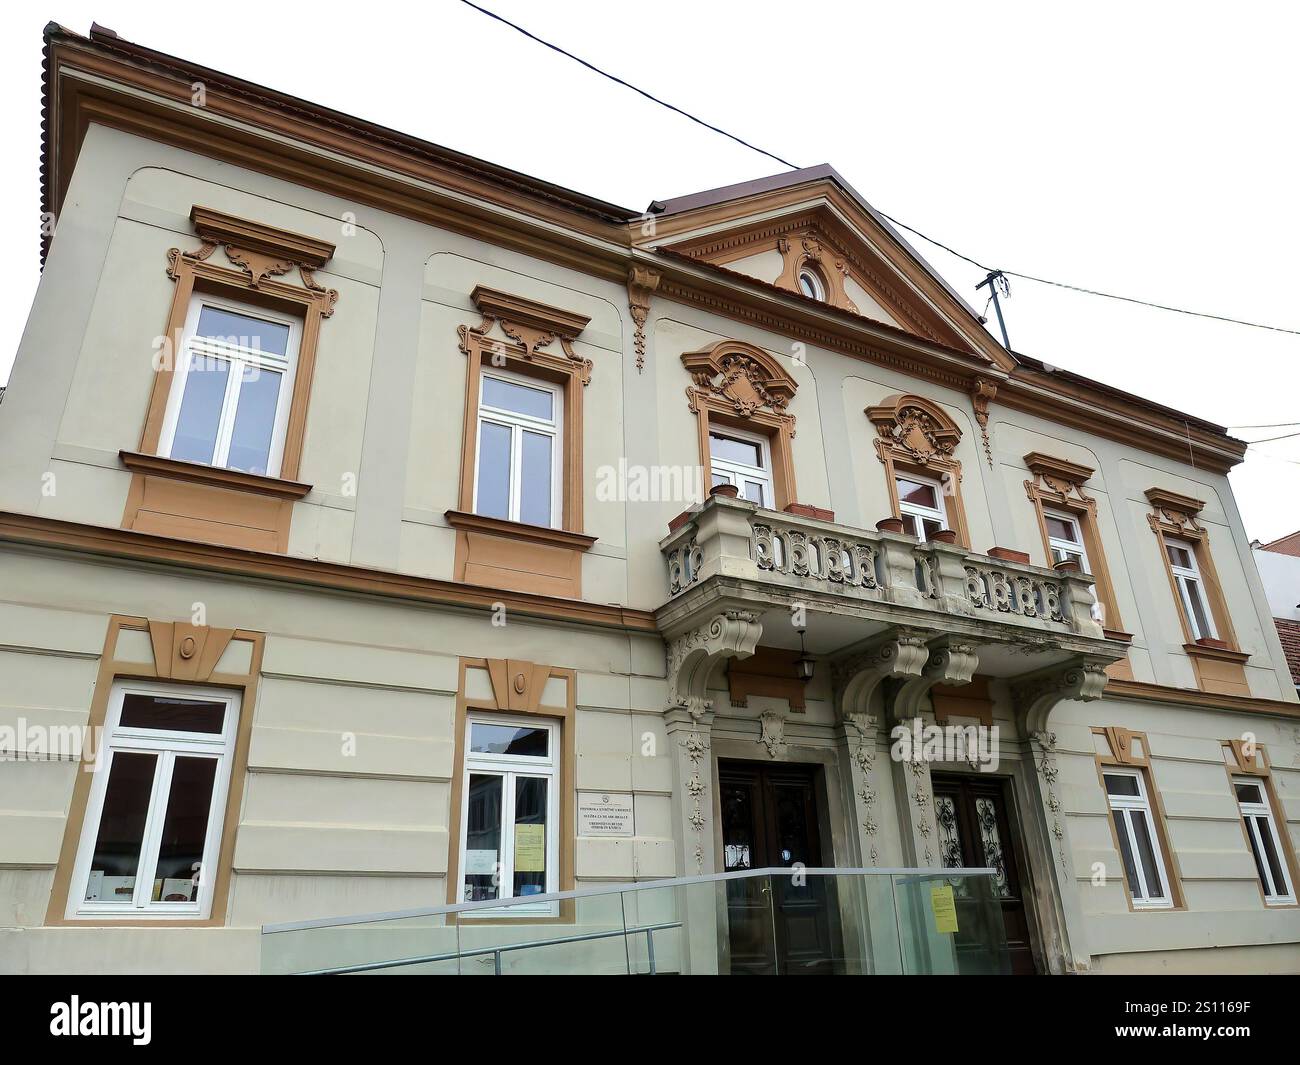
(917, 427)
(746, 377)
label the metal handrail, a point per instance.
(612, 889)
(649, 930)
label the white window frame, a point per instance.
(735, 472)
(1189, 582)
(509, 768)
(1139, 805)
(166, 745)
(1060, 547)
(913, 514)
(517, 423)
(1252, 813)
(192, 346)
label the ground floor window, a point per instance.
(153, 824)
(1139, 846)
(509, 839)
(1261, 831)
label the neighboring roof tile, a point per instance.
(1286, 545)
(1289, 633)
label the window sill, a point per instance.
(216, 476)
(517, 530)
(1221, 653)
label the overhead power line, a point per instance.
(902, 225)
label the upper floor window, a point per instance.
(152, 830)
(742, 459)
(1139, 846)
(1261, 831)
(509, 838)
(811, 285)
(1065, 540)
(232, 387)
(921, 506)
(1191, 591)
(519, 449)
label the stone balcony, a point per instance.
(856, 585)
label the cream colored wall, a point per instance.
(1218, 877)
(346, 803)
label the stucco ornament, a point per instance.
(772, 735)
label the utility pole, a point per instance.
(996, 281)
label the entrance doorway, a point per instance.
(977, 829)
(769, 819)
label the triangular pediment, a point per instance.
(779, 230)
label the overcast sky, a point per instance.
(1150, 152)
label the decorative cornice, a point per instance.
(216, 227)
(1058, 469)
(515, 530)
(531, 325)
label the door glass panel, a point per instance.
(250, 442)
(986, 816)
(745, 452)
(195, 439)
(217, 323)
(511, 396)
(530, 836)
(116, 860)
(753, 492)
(509, 739)
(185, 829)
(535, 487)
(721, 478)
(483, 837)
(1179, 556)
(493, 470)
(1200, 622)
(930, 527)
(173, 714)
(950, 850)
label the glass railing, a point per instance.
(761, 922)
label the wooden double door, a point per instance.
(769, 819)
(977, 828)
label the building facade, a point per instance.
(396, 529)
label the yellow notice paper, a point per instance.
(945, 909)
(530, 849)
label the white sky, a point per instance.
(1149, 152)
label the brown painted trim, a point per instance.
(217, 227)
(511, 696)
(111, 670)
(1201, 700)
(1144, 767)
(240, 562)
(213, 475)
(516, 530)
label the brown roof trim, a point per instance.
(128, 545)
(108, 44)
(1283, 545)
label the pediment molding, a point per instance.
(915, 428)
(741, 377)
(817, 236)
(532, 326)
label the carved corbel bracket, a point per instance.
(1036, 696)
(948, 662)
(856, 677)
(772, 723)
(641, 285)
(694, 656)
(982, 393)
